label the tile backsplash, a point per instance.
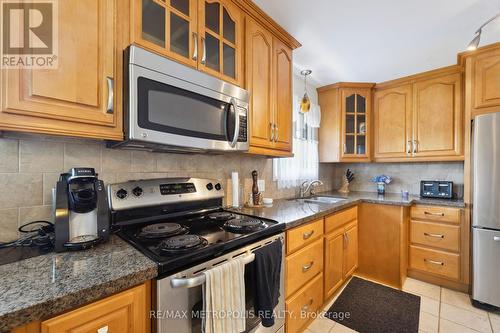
(30, 166)
(406, 176)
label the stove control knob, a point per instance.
(121, 193)
(218, 187)
(137, 191)
(210, 186)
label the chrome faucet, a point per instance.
(309, 186)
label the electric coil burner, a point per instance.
(179, 222)
(182, 243)
(244, 225)
(162, 230)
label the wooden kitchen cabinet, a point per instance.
(482, 79)
(127, 311)
(345, 132)
(341, 249)
(383, 240)
(269, 81)
(438, 117)
(439, 246)
(77, 98)
(420, 118)
(203, 34)
(167, 27)
(392, 122)
(220, 29)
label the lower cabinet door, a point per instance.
(302, 307)
(126, 312)
(334, 259)
(351, 249)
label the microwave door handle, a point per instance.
(236, 124)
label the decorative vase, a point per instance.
(381, 188)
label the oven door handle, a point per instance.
(199, 279)
(236, 123)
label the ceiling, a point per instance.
(375, 41)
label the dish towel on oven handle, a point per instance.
(224, 298)
(266, 276)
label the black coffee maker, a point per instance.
(81, 210)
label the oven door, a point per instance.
(167, 110)
(178, 308)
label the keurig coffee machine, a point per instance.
(81, 210)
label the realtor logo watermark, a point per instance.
(29, 34)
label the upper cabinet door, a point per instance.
(283, 96)
(437, 117)
(168, 27)
(486, 80)
(392, 122)
(80, 90)
(220, 28)
(258, 67)
(355, 118)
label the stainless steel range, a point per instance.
(180, 224)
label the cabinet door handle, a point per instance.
(415, 146)
(345, 147)
(276, 129)
(433, 214)
(307, 235)
(271, 125)
(433, 235)
(204, 56)
(305, 307)
(195, 46)
(110, 106)
(103, 329)
(434, 262)
(408, 147)
(307, 267)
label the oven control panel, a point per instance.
(151, 192)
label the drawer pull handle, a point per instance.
(103, 329)
(306, 306)
(434, 235)
(440, 263)
(434, 214)
(307, 235)
(307, 267)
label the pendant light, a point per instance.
(305, 103)
(477, 35)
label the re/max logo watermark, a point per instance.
(29, 34)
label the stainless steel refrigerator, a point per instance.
(486, 209)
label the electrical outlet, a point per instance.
(261, 183)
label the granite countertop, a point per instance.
(294, 213)
(43, 286)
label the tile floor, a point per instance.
(441, 310)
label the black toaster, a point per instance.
(436, 189)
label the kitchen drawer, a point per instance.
(443, 236)
(433, 261)
(336, 220)
(309, 299)
(303, 265)
(435, 213)
(301, 236)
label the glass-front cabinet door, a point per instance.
(355, 124)
(168, 27)
(220, 28)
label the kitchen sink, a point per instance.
(321, 200)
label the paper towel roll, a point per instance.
(236, 188)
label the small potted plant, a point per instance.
(381, 181)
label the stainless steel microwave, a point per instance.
(171, 107)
